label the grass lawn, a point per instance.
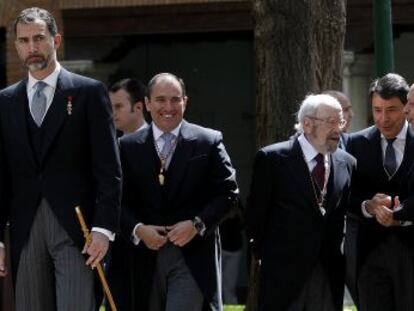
(241, 308)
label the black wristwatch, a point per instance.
(199, 225)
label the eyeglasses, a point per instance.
(331, 122)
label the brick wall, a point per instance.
(11, 8)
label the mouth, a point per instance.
(34, 59)
(167, 116)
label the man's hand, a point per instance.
(385, 216)
(378, 201)
(154, 237)
(381, 207)
(3, 269)
(96, 248)
(181, 233)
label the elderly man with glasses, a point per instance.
(295, 212)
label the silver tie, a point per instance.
(167, 148)
(39, 103)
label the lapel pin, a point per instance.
(69, 105)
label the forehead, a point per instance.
(121, 94)
(379, 102)
(346, 104)
(36, 27)
(327, 111)
(167, 85)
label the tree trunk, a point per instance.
(299, 46)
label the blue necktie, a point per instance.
(39, 103)
(167, 148)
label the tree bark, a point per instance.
(299, 46)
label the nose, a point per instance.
(32, 46)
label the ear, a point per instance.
(185, 100)
(307, 125)
(147, 104)
(139, 105)
(57, 39)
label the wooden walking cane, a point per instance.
(99, 269)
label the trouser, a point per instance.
(174, 288)
(52, 274)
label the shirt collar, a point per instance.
(157, 132)
(144, 125)
(401, 135)
(308, 150)
(50, 80)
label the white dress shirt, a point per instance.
(310, 153)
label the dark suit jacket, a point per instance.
(289, 232)
(370, 178)
(200, 181)
(78, 164)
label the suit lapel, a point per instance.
(337, 178)
(375, 149)
(20, 123)
(183, 151)
(57, 112)
(408, 160)
(152, 162)
(301, 176)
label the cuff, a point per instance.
(135, 239)
(364, 210)
(2, 245)
(109, 234)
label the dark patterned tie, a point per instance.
(390, 162)
(318, 172)
(39, 103)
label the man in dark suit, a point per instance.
(128, 103)
(351, 220)
(295, 212)
(57, 150)
(178, 185)
(347, 112)
(127, 99)
(409, 107)
(384, 178)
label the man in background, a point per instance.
(409, 106)
(347, 112)
(127, 99)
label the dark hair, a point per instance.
(389, 86)
(159, 76)
(30, 15)
(135, 89)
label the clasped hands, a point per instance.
(381, 207)
(155, 237)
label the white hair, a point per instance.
(310, 105)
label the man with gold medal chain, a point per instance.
(179, 184)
